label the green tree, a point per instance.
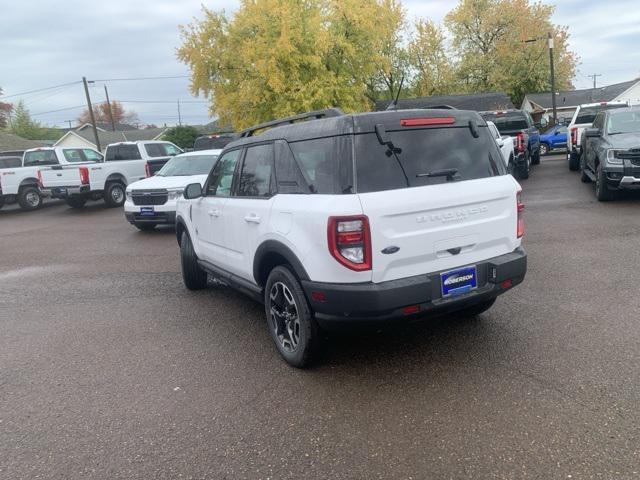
(23, 126)
(488, 38)
(280, 57)
(5, 111)
(183, 136)
(434, 70)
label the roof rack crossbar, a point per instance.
(327, 113)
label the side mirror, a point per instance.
(592, 132)
(193, 190)
(500, 142)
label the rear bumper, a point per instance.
(66, 192)
(158, 218)
(384, 301)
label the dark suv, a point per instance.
(519, 125)
(611, 156)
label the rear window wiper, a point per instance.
(450, 173)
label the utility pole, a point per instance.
(106, 92)
(69, 122)
(93, 119)
(594, 78)
(553, 80)
(179, 117)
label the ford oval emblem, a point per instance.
(390, 250)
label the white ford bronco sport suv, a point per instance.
(326, 217)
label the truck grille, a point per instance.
(632, 154)
(149, 197)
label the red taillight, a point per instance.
(574, 136)
(39, 178)
(520, 208)
(147, 170)
(520, 143)
(411, 309)
(349, 240)
(420, 122)
(84, 175)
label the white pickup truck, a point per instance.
(506, 145)
(123, 163)
(583, 119)
(23, 183)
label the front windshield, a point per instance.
(184, 165)
(624, 122)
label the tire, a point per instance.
(535, 159)
(114, 194)
(76, 202)
(574, 161)
(511, 167)
(193, 276)
(29, 198)
(145, 227)
(603, 194)
(584, 178)
(476, 309)
(291, 324)
(544, 149)
(1, 202)
(523, 170)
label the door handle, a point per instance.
(252, 218)
(214, 213)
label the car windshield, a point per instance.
(507, 122)
(588, 114)
(624, 122)
(428, 156)
(184, 165)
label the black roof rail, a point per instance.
(317, 114)
(440, 107)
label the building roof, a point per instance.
(573, 98)
(9, 141)
(125, 136)
(474, 101)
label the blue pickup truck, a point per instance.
(553, 138)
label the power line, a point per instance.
(40, 90)
(200, 102)
(138, 78)
(58, 110)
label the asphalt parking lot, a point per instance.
(110, 368)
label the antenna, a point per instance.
(394, 104)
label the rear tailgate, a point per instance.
(61, 176)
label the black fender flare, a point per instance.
(116, 177)
(181, 226)
(271, 247)
(28, 181)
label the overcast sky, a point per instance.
(48, 42)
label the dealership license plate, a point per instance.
(147, 211)
(61, 191)
(459, 281)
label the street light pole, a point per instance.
(93, 119)
(553, 80)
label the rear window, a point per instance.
(425, 151)
(40, 157)
(117, 153)
(507, 122)
(212, 143)
(588, 114)
(161, 150)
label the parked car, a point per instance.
(520, 125)
(611, 156)
(123, 163)
(330, 218)
(552, 139)
(152, 201)
(23, 183)
(582, 119)
(209, 142)
(505, 143)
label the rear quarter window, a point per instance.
(425, 151)
(325, 164)
(122, 152)
(40, 157)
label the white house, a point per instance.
(539, 104)
(84, 137)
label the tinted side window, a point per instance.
(257, 172)
(598, 121)
(289, 178)
(326, 164)
(73, 155)
(221, 177)
(424, 151)
(40, 157)
(154, 150)
(92, 155)
(10, 162)
(122, 152)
